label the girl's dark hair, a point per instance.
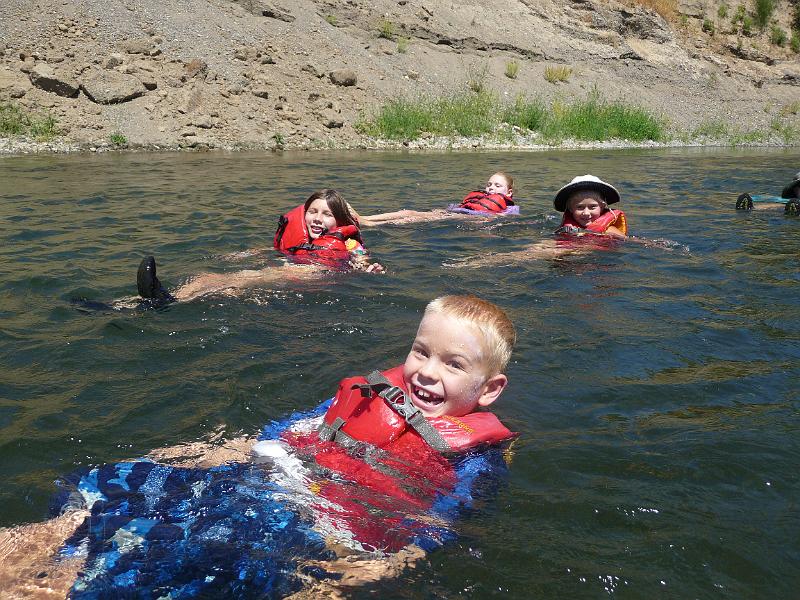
(337, 205)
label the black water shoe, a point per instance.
(792, 207)
(148, 284)
(744, 202)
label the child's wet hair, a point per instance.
(497, 329)
(337, 205)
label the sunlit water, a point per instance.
(656, 390)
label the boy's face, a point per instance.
(446, 371)
(585, 208)
(497, 184)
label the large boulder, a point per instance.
(56, 81)
(111, 87)
(343, 77)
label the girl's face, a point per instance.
(585, 209)
(497, 184)
(319, 218)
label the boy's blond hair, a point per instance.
(497, 329)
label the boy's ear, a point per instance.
(493, 387)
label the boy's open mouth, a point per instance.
(425, 397)
(316, 230)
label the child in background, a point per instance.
(384, 471)
(495, 198)
(584, 202)
(322, 232)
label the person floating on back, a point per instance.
(323, 232)
(789, 200)
(495, 199)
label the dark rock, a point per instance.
(260, 92)
(343, 77)
(110, 87)
(276, 13)
(791, 79)
(51, 80)
(114, 60)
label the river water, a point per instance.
(655, 387)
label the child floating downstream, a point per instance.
(321, 234)
(381, 470)
(495, 199)
(789, 200)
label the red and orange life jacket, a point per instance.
(483, 202)
(611, 217)
(329, 249)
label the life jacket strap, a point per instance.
(399, 401)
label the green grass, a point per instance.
(16, 121)
(722, 11)
(472, 115)
(778, 36)
(332, 20)
(708, 26)
(763, 12)
(387, 30)
(402, 44)
(118, 139)
(794, 44)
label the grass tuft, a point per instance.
(557, 74)
(512, 69)
(117, 139)
(764, 10)
(387, 30)
(777, 36)
(402, 44)
(16, 121)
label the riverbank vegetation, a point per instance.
(524, 121)
(17, 121)
(479, 114)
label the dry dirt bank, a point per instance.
(299, 73)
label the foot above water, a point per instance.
(149, 286)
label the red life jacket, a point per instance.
(483, 202)
(601, 224)
(329, 249)
(376, 411)
(383, 459)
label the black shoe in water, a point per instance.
(792, 207)
(744, 202)
(149, 286)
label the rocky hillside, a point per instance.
(300, 73)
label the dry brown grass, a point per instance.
(666, 8)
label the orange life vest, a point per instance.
(329, 249)
(482, 202)
(609, 218)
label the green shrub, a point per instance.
(708, 26)
(16, 121)
(117, 139)
(792, 108)
(795, 22)
(331, 19)
(794, 44)
(402, 44)
(747, 26)
(556, 74)
(512, 68)
(739, 15)
(764, 10)
(722, 11)
(777, 36)
(476, 78)
(386, 29)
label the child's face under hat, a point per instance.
(446, 371)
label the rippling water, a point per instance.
(656, 389)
